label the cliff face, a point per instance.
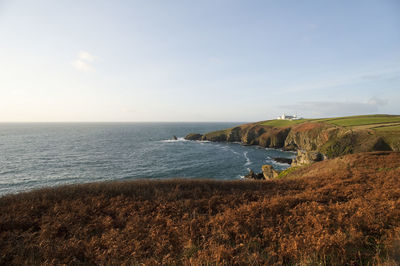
(310, 136)
(330, 140)
(251, 134)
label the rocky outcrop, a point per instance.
(254, 176)
(334, 141)
(269, 172)
(250, 134)
(234, 135)
(274, 138)
(194, 136)
(283, 160)
(307, 157)
(216, 136)
(309, 136)
(314, 142)
(327, 139)
(381, 145)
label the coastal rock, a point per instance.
(290, 147)
(283, 160)
(215, 136)
(273, 137)
(254, 176)
(310, 136)
(328, 139)
(269, 172)
(307, 157)
(174, 138)
(194, 136)
(234, 135)
(250, 137)
(381, 145)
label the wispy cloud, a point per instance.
(330, 108)
(84, 62)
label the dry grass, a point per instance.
(342, 211)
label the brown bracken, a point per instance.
(341, 211)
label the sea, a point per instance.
(36, 155)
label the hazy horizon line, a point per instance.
(155, 121)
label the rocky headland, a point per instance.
(313, 139)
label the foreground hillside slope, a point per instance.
(341, 211)
(330, 136)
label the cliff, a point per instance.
(331, 137)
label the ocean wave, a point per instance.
(235, 152)
(201, 142)
(248, 162)
(174, 140)
(280, 164)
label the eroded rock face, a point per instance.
(309, 136)
(330, 140)
(214, 137)
(234, 135)
(251, 135)
(283, 160)
(381, 145)
(273, 137)
(252, 175)
(307, 157)
(269, 172)
(194, 136)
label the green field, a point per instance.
(283, 123)
(388, 128)
(361, 120)
(382, 122)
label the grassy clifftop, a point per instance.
(364, 121)
(344, 211)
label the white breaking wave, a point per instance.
(235, 152)
(248, 162)
(281, 164)
(174, 140)
(202, 142)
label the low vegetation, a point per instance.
(287, 171)
(395, 127)
(371, 121)
(340, 211)
(283, 123)
(362, 120)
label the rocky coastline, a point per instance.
(313, 142)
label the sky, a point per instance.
(209, 60)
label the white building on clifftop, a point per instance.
(288, 117)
